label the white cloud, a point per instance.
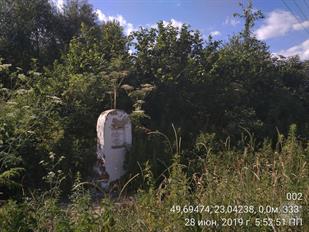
(174, 23)
(279, 23)
(215, 33)
(59, 4)
(231, 21)
(301, 26)
(301, 49)
(102, 17)
(131, 51)
(118, 18)
(128, 27)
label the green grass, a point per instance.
(238, 178)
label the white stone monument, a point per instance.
(114, 139)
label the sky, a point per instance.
(285, 27)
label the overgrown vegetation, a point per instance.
(236, 105)
(228, 177)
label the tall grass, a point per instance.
(237, 177)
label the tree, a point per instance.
(37, 30)
(26, 32)
(250, 16)
(70, 18)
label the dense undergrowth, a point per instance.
(248, 177)
(65, 67)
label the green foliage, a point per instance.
(86, 216)
(250, 15)
(228, 98)
(36, 29)
(29, 127)
(12, 217)
(55, 176)
(227, 177)
(6, 177)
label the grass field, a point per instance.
(231, 190)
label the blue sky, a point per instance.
(285, 27)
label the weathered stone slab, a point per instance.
(114, 138)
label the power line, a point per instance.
(307, 4)
(292, 12)
(301, 11)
